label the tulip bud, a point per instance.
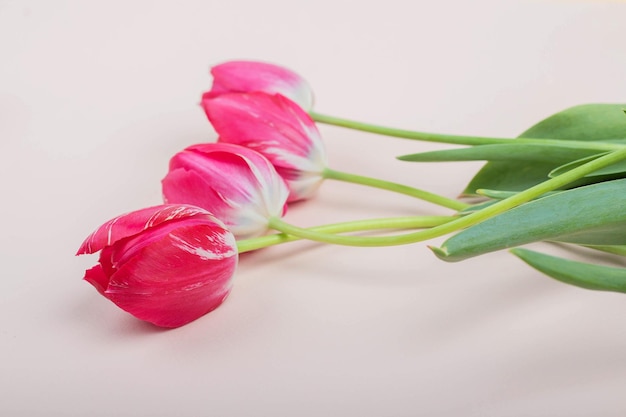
(238, 185)
(249, 76)
(279, 129)
(167, 265)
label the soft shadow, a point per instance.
(94, 314)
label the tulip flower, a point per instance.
(238, 185)
(250, 76)
(279, 129)
(167, 264)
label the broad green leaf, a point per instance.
(562, 169)
(611, 170)
(589, 215)
(588, 122)
(505, 152)
(580, 274)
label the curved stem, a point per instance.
(413, 222)
(456, 139)
(336, 239)
(395, 187)
(459, 223)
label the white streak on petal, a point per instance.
(110, 229)
(203, 253)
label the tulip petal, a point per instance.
(277, 128)
(178, 278)
(237, 184)
(267, 119)
(181, 184)
(188, 186)
(226, 172)
(130, 224)
(249, 76)
(96, 277)
(261, 172)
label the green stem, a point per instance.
(456, 139)
(395, 187)
(413, 222)
(462, 222)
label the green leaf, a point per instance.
(589, 215)
(611, 170)
(589, 122)
(562, 169)
(615, 169)
(505, 152)
(494, 196)
(580, 274)
(614, 249)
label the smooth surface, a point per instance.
(96, 97)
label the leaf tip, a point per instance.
(519, 252)
(404, 157)
(440, 253)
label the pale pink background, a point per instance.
(96, 96)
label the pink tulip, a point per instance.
(167, 265)
(249, 76)
(238, 185)
(277, 128)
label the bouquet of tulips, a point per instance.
(563, 180)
